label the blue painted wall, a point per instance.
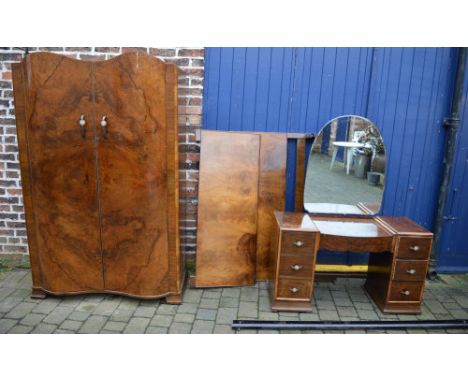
(405, 91)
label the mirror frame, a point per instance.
(363, 215)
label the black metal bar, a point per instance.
(349, 325)
(452, 125)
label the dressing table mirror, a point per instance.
(343, 196)
(346, 169)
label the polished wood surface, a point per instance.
(295, 221)
(58, 163)
(398, 286)
(295, 244)
(399, 252)
(296, 266)
(300, 175)
(21, 102)
(271, 191)
(227, 209)
(177, 270)
(100, 214)
(405, 291)
(271, 194)
(403, 226)
(354, 234)
(410, 270)
(133, 167)
(415, 248)
(294, 289)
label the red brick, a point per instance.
(196, 63)
(191, 52)
(192, 175)
(162, 52)
(184, 81)
(191, 91)
(196, 72)
(132, 49)
(196, 82)
(107, 50)
(82, 49)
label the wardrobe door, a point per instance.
(135, 190)
(57, 153)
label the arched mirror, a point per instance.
(346, 168)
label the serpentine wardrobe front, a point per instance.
(99, 163)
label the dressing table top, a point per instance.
(346, 226)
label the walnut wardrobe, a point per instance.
(99, 166)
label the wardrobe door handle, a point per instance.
(82, 124)
(104, 126)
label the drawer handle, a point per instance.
(414, 248)
(405, 292)
(294, 290)
(411, 271)
(296, 267)
(298, 243)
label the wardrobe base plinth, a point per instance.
(38, 294)
(174, 299)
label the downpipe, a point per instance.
(452, 124)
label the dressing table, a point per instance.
(399, 253)
(341, 216)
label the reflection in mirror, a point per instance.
(346, 168)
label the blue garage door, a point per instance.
(405, 91)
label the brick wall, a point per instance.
(13, 238)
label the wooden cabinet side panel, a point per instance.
(271, 194)
(133, 166)
(227, 209)
(20, 94)
(176, 260)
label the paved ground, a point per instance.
(206, 311)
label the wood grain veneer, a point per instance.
(101, 202)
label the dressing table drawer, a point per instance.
(414, 248)
(297, 243)
(408, 270)
(290, 288)
(406, 291)
(296, 266)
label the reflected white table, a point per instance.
(348, 146)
